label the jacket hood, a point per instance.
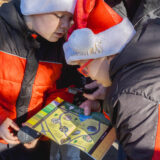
(11, 14)
(143, 48)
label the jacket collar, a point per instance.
(11, 14)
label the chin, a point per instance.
(53, 39)
(106, 84)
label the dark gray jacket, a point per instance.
(134, 97)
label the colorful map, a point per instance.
(65, 123)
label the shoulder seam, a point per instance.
(11, 54)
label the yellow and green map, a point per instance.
(65, 123)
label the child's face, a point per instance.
(98, 70)
(52, 26)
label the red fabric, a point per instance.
(106, 115)
(10, 84)
(156, 155)
(62, 93)
(81, 13)
(102, 17)
(94, 14)
(34, 36)
(44, 89)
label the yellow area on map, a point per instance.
(65, 127)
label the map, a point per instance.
(65, 123)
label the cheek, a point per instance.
(92, 72)
(47, 25)
(105, 80)
(100, 74)
(50, 26)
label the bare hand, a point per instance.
(5, 132)
(32, 144)
(90, 106)
(98, 94)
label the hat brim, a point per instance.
(32, 7)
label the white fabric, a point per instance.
(31, 7)
(83, 37)
(106, 43)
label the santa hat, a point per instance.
(98, 31)
(31, 7)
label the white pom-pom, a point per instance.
(82, 41)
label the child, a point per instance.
(32, 65)
(132, 74)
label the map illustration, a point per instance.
(65, 123)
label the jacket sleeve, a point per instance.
(137, 126)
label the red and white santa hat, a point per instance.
(98, 31)
(31, 7)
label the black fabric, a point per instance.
(134, 97)
(131, 7)
(19, 152)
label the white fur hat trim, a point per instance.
(31, 7)
(84, 44)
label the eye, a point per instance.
(59, 16)
(71, 19)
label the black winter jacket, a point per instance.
(133, 100)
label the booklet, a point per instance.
(65, 123)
